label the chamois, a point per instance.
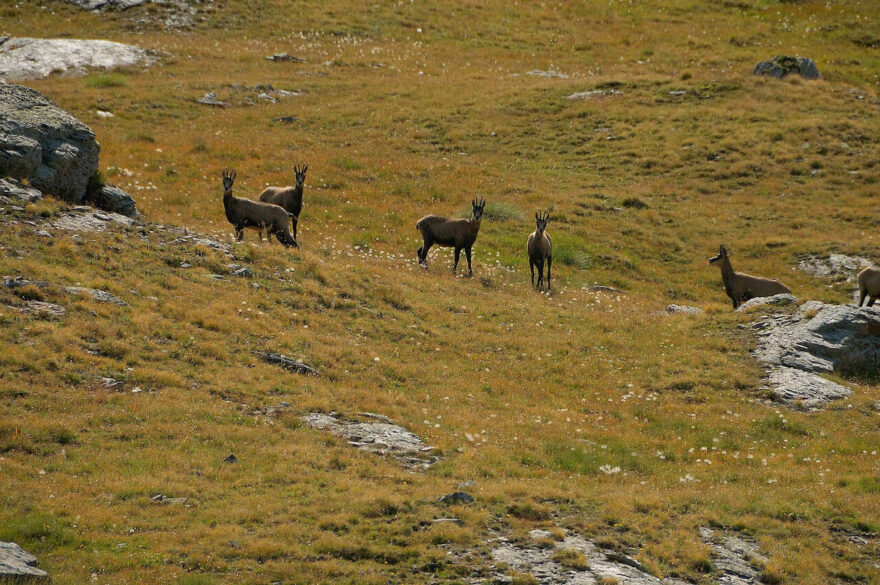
(869, 285)
(454, 233)
(742, 287)
(290, 198)
(244, 213)
(540, 248)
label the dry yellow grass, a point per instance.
(413, 108)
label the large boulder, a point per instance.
(113, 199)
(18, 566)
(818, 339)
(41, 142)
(27, 58)
(781, 66)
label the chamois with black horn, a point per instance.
(741, 287)
(540, 248)
(244, 213)
(452, 233)
(290, 198)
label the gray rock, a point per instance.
(65, 151)
(817, 339)
(836, 265)
(285, 362)
(86, 219)
(44, 233)
(246, 272)
(107, 4)
(14, 189)
(113, 199)
(782, 300)
(673, 309)
(781, 66)
(376, 437)
(608, 565)
(27, 58)
(594, 93)
(99, 295)
(19, 281)
(210, 99)
(18, 566)
(457, 498)
(732, 556)
(42, 308)
(285, 57)
(231, 458)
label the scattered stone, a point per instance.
(112, 383)
(18, 566)
(457, 498)
(185, 265)
(732, 557)
(837, 265)
(40, 308)
(246, 272)
(285, 57)
(602, 288)
(595, 93)
(104, 114)
(782, 300)
(98, 295)
(380, 438)
(285, 362)
(551, 73)
(817, 339)
(113, 199)
(210, 99)
(163, 499)
(108, 4)
(538, 561)
(19, 282)
(41, 142)
(14, 189)
(231, 458)
(202, 241)
(673, 309)
(87, 219)
(781, 66)
(44, 234)
(286, 119)
(27, 58)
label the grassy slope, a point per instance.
(395, 123)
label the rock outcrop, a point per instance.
(53, 150)
(382, 437)
(14, 190)
(41, 142)
(28, 58)
(18, 566)
(818, 339)
(781, 66)
(837, 266)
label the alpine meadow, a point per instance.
(585, 428)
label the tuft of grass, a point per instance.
(571, 559)
(105, 80)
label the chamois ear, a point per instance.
(305, 168)
(233, 175)
(722, 250)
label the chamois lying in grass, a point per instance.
(453, 233)
(244, 213)
(742, 287)
(540, 248)
(290, 198)
(869, 285)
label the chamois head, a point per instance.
(722, 254)
(228, 179)
(478, 207)
(300, 175)
(542, 220)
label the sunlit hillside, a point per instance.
(585, 409)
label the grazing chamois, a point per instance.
(453, 233)
(540, 247)
(742, 287)
(869, 285)
(244, 213)
(290, 198)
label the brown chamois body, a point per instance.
(741, 287)
(244, 213)
(290, 198)
(540, 248)
(869, 285)
(451, 233)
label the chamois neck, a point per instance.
(726, 269)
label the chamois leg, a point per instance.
(871, 301)
(862, 295)
(549, 262)
(540, 265)
(467, 252)
(239, 233)
(457, 256)
(293, 222)
(422, 253)
(532, 270)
